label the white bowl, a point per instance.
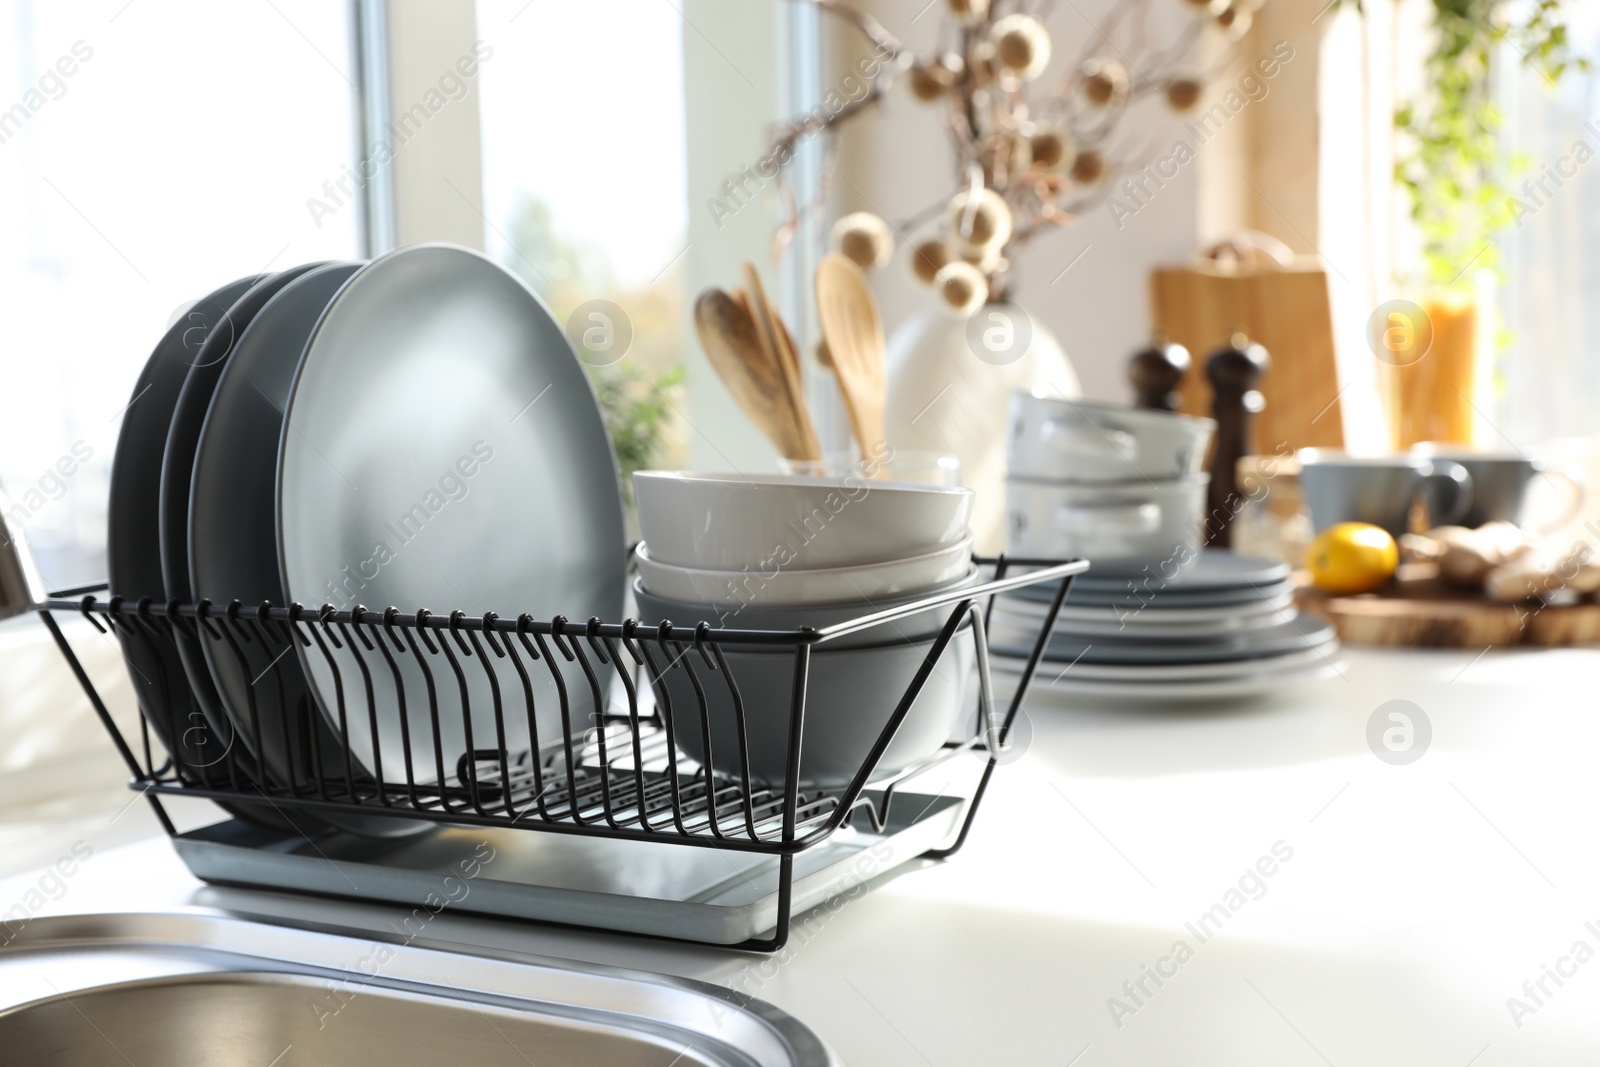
(1052, 439)
(731, 521)
(1119, 528)
(825, 585)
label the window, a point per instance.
(608, 128)
(145, 158)
(585, 197)
(1551, 294)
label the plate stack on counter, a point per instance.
(1224, 627)
(1158, 618)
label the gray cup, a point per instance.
(1382, 489)
(1500, 482)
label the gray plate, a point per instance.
(1295, 635)
(1169, 694)
(133, 559)
(1156, 597)
(177, 473)
(1142, 618)
(133, 536)
(232, 551)
(444, 450)
(1139, 673)
(1215, 569)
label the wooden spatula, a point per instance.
(853, 333)
(780, 347)
(758, 383)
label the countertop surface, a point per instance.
(1233, 885)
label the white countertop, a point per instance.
(1416, 901)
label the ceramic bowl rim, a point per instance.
(972, 576)
(1147, 416)
(781, 481)
(1188, 481)
(642, 551)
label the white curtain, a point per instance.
(1548, 375)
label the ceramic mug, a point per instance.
(1381, 490)
(1500, 482)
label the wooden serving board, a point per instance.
(1418, 609)
(1285, 309)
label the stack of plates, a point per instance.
(1225, 627)
(352, 434)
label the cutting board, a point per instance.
(1283, 308)
(1420, 610)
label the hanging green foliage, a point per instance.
(1452, 162)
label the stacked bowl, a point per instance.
(1119, 486)
(779, 552)
(1157, 619)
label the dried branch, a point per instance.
(994, 119)
(870, 27)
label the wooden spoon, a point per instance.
(780, 348)
(758, 384)
(853, 332)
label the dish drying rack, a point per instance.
(558, 808)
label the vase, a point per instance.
(950, 381)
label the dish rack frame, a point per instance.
(623, 775)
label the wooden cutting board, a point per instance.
(1285, 309)
(1420, 610)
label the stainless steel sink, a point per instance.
(212, 990)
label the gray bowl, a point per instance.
(1077, 440)
(757, 616)
(1122, 528)
(852, 690)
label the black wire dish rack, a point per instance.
(620, 773)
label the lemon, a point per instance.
(1352, 557)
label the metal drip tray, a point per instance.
(714, 895)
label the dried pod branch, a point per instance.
(996, 116)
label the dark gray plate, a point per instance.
(444, 450)
(133, 557)
(232, 544)
(177, 469)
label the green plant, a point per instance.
(1453, 165)
(636, 395)
(633, 402)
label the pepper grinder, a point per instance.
(1156, 372)
(1234, 370)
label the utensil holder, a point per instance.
(623, 775)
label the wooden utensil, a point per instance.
(853, 333)
(779, 348)
(759, 384)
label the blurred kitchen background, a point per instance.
(588, 147)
